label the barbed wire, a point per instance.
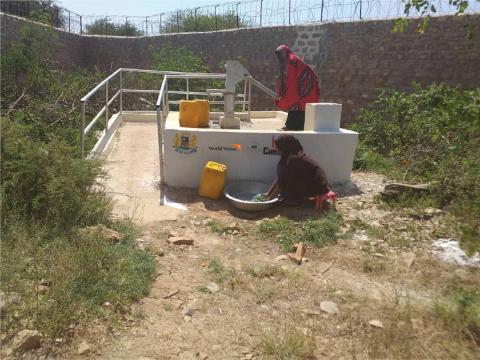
(246, 13)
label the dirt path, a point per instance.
(260, 296)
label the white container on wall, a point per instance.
(323, 117)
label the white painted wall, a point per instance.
(334, 151)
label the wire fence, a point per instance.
(247, 13)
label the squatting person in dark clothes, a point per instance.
(298, 175)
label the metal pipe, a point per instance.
(289, 12)
(216, 22)
(96, 88)
(264, 88)
(95, 119)
(81, 29)
(121, 92)
(249, 98)
(187, 88)
(106, 106)
(244, 92)
(160, 152)
(82, 135)
(261, 7)
(321, 11)
(112, 99)
(140, 91)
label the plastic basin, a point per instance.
(240, 195)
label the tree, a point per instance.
(425, 8)
(189, 22)
(106, 27)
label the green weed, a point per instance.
(289, 344)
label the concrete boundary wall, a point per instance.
(353, 60)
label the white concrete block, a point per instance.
(323, 117)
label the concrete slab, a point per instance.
(133, 169)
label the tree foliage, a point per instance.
(106, 27)
(189, 22)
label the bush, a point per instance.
(429, 135)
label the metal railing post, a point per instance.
(244, 94)
(146, 25)
(121, 92)
(106, 106)
(216, 20)
(187, 89)
(82, 129)
(196, 22)
(160, 25)
(69, 28)
(360, 9)
(81, 28)
(261, 8)
(178, 22)
(249, 99)
(321, 12)
(160, 151)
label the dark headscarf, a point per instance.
(288, 145)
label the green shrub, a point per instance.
(429, 135)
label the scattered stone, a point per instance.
(213, 288)
(300, 250)
(187, 311)
(281, 257)
(409, 259)
(379, 255)
(103, 232)
(202, 356)
(26, 340)
(376, 323)
(329, 307)
(171, 293)
(172, 233)
(395, 189)
(449, 250)
(42, 289)
(175, 240)
(235, 232)
(59, 340)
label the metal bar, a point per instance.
(121, 92)
(106, 106)
(249, 98)
(81, 28)
(161, 91)
(146, 25)
(112, 99)
(238, 18)
(82, 134)
(244, 92)
(95, 119)
(238, 102)
(140, 91)
(216, 22)
(69, 28)
(321, 11)
(165, 72)
(178, 23)
(264, 88)
(96, 88)
(360, 9)
(160, 152)
(197, 76)
(188, 88)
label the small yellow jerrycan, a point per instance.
(213, 180)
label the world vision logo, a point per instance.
(233, 147)
(270, 150)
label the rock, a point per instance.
(172, 233)
(300, 250)
(103, 232)
(329, 307)
(394, 190)
(409, 259)
(175, 240)
(171, 293)
(42, 289)
(376, 323)
(213, 288)
(202, 356)
(187, 311)
(281, 257)
(26, 340)
(84, 348)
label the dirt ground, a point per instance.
(232, 295)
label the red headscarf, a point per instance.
(297, 84)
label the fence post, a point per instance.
(160, 25)
(360, 9)
(196, 24)
(121, 92)
(178, 22)
(216, 22)
(321, 12)
(81, 29)
(238, 19)
(69, 29)
(146, 25)
(289, 12)
(261, 8)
